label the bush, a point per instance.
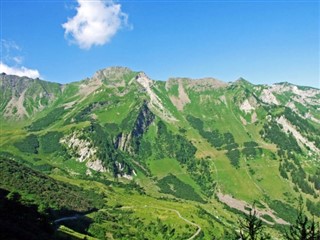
(50, 142)
(313, 207)
(29, 145)
(250, 149)
(234, 157)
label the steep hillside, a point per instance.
(22, 97)
(211, 147)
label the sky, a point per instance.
(68, 40)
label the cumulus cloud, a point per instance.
(19, 71)
(95, 23)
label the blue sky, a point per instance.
(261, 41)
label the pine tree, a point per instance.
(303, 228)
(251, 227)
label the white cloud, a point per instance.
(19, 71)
(95, 23)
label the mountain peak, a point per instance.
(200, 84)
(114, 74)
(113, 71)
(241, 80)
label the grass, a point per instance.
(140, 206)
(144, 205)
(148, 208)
(114, 114)
(265, 177)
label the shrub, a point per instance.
(50, 142)
(29, 145)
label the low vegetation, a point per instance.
(123, 224)
(50, 142)
(172, 185)
(46, 121)
(218, 140)
(286, 142)
(44, 191)
(28, 145)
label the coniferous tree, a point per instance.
(251, 227)
(303, 228)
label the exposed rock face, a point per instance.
(246, 106)
(244, 122)
(96, 165)
(143, 121)
(83, 151)
(113, 75)
(79, 147)
(15, 106)
(289, 128)
(22, 97)
(304, 96)
(122, 172)
(182, 98)
(124, 141)
(243, 206)
(201, 84)
(254, 117)
(155, 102)
(311, 117)
(89, 86)
(223, 99)
(307, 94)
(15, 83)
(268, 97)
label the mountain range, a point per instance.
(138, 158)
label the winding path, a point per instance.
(172, 210)
(75, 217)
(184, 219)
(179, 215)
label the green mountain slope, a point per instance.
(212, 147)
(23, 97)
